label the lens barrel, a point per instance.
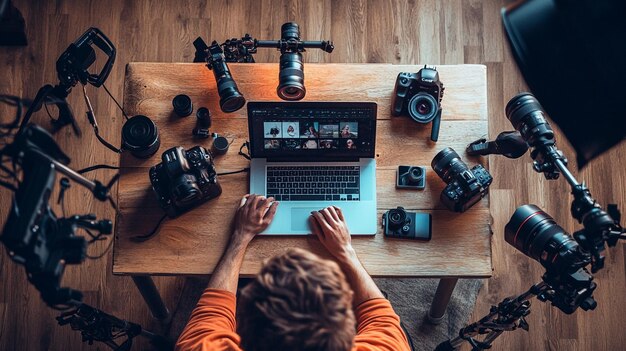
(535, 233)
(447, 164)
(140, 136)
(291, 77)
(231, 99)
(527, 116)
(290, 30)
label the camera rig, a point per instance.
(72, 68)
(570, 287)
(44, 243)
(291, 75)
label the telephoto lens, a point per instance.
(231, 99)
(140, 136)
(535, 233)
(527, 116)
(291, 75)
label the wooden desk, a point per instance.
(193, 243)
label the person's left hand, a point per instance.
(254, 215)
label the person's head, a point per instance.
(290, 129)
(298, 301)
(350, 143)
(346, 128)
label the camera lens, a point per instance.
(447, 164)
(422, 108)
(291, 77)
(538, 236)
(231, 99)
(182, 105)
(185, 190)
(140, 136)
(414, 175)
(527, 116)
(397, 217)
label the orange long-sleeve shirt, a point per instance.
(212, 326)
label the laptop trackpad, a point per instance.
(300, 218)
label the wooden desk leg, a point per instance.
(151, 296)
(441, 300)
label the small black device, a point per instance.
(419, 95)
(140, 136)
(220, 144)
(465, 186)
(411, 177)
(203, 123)
(510, 144)
(398, 223)
(182, 105)
(231, 99)
(184, 179)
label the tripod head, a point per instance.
(73, 67)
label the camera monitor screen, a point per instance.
(317, 130)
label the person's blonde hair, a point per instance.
(298, 301)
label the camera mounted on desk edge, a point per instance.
(419, 95)
(291, 74)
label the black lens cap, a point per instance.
(182, 105)
(220, 145)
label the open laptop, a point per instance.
(310, 155)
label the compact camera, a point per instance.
(465, 186)
(419, 95)
(184, 179)
(398, 223)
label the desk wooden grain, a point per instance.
(193, 243)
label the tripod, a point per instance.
(568, 285)
(95, 325)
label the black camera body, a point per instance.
(184, 179)
(419, 95)
(398, 223)
(465, 186)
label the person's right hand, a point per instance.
(331, 229)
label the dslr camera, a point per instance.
(398, 223)
(184, 179)
(419, 95)
(465, 186)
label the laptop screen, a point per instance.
(315, 130)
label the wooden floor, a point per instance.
(407, 32)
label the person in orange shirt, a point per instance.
(298, 301)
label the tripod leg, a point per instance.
(441, 299)
(151, 296)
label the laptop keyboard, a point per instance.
(313, 183)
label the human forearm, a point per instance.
(226, 273)
(360, 281)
